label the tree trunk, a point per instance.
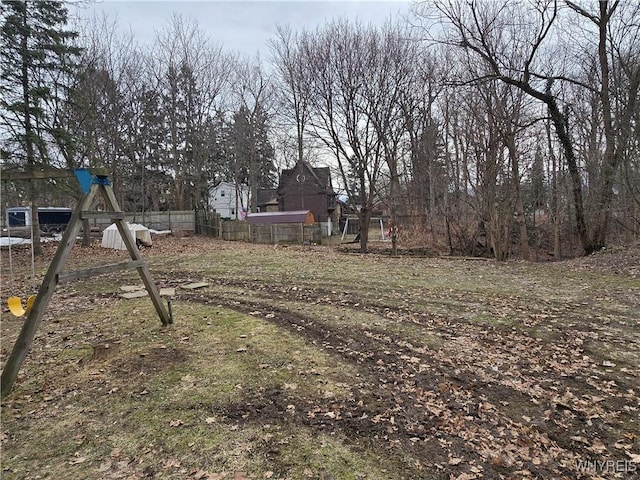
(394, 188)
(520, 219)
(28, 132)
(253, 179)
(86, 232)
(364, 217)
(560, 125)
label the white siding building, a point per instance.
(228, 201)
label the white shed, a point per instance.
(111, 237)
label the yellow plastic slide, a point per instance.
(15, 305)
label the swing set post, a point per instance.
(31, 324)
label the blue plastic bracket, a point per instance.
(84, 179)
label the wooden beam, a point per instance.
(91, 272)
(42, 174)
(86, 215)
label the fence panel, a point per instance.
(235, 231)
(208, 223)
(271, 234)
(176, 220)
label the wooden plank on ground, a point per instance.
(193, 286)
(167, 292)
(134, 294)
(131, 288)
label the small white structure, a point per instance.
(229, 200)
(111, 237)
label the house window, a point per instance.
(222, 193)
(233, 212)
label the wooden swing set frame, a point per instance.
(93, 183)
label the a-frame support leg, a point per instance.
(31, 324)
(130, 243)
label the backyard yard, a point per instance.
(317, 362)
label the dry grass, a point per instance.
(306, 362)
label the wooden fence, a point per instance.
(210, 224)
(176, 220)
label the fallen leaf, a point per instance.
(172, 463)
(597, 446)
(466, 476)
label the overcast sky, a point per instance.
(244, 26)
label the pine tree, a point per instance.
(250, 138)
(37, 56)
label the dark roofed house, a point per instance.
(304, 187)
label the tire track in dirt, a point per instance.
(428, 405)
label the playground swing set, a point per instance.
(93, 183)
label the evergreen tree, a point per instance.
(250, 138)
(37, 56)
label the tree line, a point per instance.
(503, 128)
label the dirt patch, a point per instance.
(148, 362)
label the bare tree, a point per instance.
(192, 74)
(291, 73)
(390, 53)
(254, 93)
(102, 100)
(357, 75)
(424, 132)
(496, 34)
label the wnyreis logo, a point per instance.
(607, 466)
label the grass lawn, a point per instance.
(320, 363)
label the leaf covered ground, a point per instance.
(316, 362)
